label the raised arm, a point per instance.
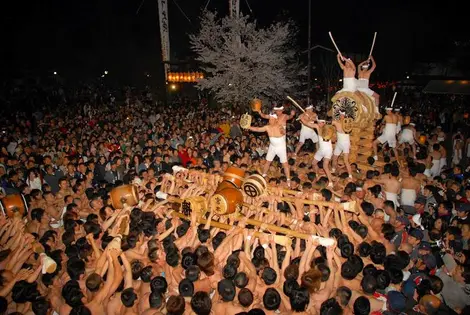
(340, 61)
(373, 64)
(258, 129)
(307, 123)
(128, 272)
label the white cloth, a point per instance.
(435, 168)
(343, 143)
(408, 197)
(389, 135)
(406, 136)
(392, 197)
(35, 184)
(398, 127)
(325, 150)
(443, 163)
(363, 86)
(349, 85)
(307, 133)
(277, 147)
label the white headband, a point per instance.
(273, 115)
(342, 113)
(412, 124)
(397, 109)
(309, 107)
(388, 108)
(279, 108)
(321, 120)
(358, 189)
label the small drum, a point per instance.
(234, 175)
(126, 194)
(256, 105)
(14, 205)
(328, 131)
(245, 121)
(226, 201)
(254, 185)
(197, 204)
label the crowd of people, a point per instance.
(402, 250)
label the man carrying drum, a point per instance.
(325, 148)
(276, 129)
(343, 144)
(306, 132)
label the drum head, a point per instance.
(218, 204)
(251, 189)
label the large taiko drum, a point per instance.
(126, 194)
(234, 175)
(14, 205)
(226, 201)
(254, 185)
(196, 204)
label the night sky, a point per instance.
(81, 39)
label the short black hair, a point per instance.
(201, 303)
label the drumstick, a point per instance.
(331, 36)
(295, 103)
(393, 100)
(373, 44)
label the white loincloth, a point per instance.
(443, 163)
(363, 86)
(406, 137)
(389, 135)
(277, 147)
(349, 85)
(325, 150)
(435, 168)
(398, 127)
(307, 133)
(408, 197)
(392, 197)
(343, 143)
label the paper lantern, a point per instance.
(422, 139)
(465, 115)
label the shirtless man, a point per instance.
(443, 160)
(433, 162)
(277, 137)
(306, 132)
(408, 135)
(349, 75)
(410, 188)
(343, 143)
(364, 74)
(325, 149)
(399, 119)
(391, 185)
(389, 133)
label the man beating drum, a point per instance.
(325, 148)
(389, 133)
(306, 132)
(349, 74)
(343, 144)
(364, 74)
(276, 129)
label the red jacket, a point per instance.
(184, 157)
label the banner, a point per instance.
(164, 34)
(234, 8)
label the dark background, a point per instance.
(81, 39)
